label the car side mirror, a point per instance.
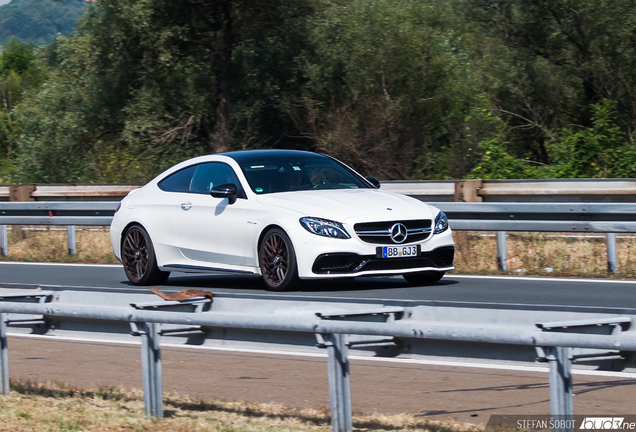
(374, 181)
(228, 190)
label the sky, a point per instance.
(4, 2)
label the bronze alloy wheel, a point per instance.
(277, 260)
(138, 257)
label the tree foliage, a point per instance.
(145, 84)
(18, 74)
(546, 67)
(387, 86)
(400, 89)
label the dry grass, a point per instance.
(50, 244)
(529, 253)
(53, 407)
(554, 254)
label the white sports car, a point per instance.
(286, 215)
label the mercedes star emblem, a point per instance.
(398, 233)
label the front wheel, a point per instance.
(277, 260)
(423, 278)
(138, 257)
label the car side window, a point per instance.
(210, 175)
(179, 181)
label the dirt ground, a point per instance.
(436, 392)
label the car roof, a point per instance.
(243, 156)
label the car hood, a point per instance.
(351, 205)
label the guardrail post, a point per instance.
(151, 369)
(612, 254)
(4, 356)
(22, 192)
(560, 384)
(468, 191)
(72, 240)
(502, 250)
(4, 241)
(339, 387)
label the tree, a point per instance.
(144, 84)
(18, 75)
(387, 87)
(599, 151)
(401, 89)
(545, 64)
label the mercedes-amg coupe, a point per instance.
(285, 215)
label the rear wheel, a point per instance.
(138, 257)
(277, 260)
(423, 278)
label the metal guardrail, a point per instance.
(66, 192)
(568, 190)
(439, 191)
(609, 218)
(57, 213)
(540, 217)
(65, 213)
(337, 325)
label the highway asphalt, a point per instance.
(439, 390)
(555, 292)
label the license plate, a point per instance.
(398, 251)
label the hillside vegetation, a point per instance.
(38, 21)
(399, 89)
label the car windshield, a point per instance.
(303, 172)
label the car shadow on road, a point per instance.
(254, 284)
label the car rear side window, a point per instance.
(179, 181)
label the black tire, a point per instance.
(277, 259)
(138, 257)
(423, 278)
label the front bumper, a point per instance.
(322, 258)
(348, 263)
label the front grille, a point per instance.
(380, 232)
(348, 263)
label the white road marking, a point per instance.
(63, 264)
(427, 362)
(541, 279)
(448, 275)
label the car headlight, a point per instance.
(324, 227)
(441, 223)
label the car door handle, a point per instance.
(186, 206)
